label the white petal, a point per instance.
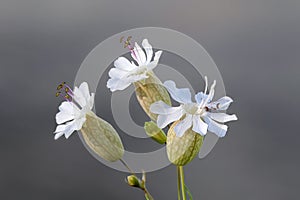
(60, 128)
(139, 55)
(214, 127)
(157, 56)
(183, 125)
(148, 49)
(62, 117)
(117, 73)
(164, 120)
(199, 126)
(180, 95)
(161, 107)
(68, 111)
(72, 126)
(91, 101)
(155, 61)
(124, 64)
(84, 88)
(222, 117)
(79, 97)
(58, 135)
(151, 65)
(68, 107)
(200, 96)
(68, 128)
(221, 104)
(117, 84)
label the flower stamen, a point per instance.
(127, 44)
(60, 86)
(68, 93)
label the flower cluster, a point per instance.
(187, 123)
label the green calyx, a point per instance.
(182, 150)
(102, 138)
(149, 91)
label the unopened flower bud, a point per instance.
(151, 90)
(102, 138)
(153, 131)
(133, 181)
(182, 150)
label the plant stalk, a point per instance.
(178, 183)
(182, 182)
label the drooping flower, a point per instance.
(75, 114)
(126, 72)
(72, 112)
(202, 115)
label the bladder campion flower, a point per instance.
(201, 115)
(191, 120)
(148, 87)
(75, 114)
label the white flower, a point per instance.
(201, 115)
(126, 72)
(72, 112)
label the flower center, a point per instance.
(191, 108)
(194, 109)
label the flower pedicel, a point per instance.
(76, 114)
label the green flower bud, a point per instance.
(133, 181)
(182, 150)
(102, 138)
(149, 91)
(153, 131)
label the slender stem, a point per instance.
(178, 183)
(125, 164)
(148, 195)
(182, 182)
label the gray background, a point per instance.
(255, 44)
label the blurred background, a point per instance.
(255, 45)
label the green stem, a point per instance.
(178, 183)
(125, 164)
(182, 182)
(148, 195)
